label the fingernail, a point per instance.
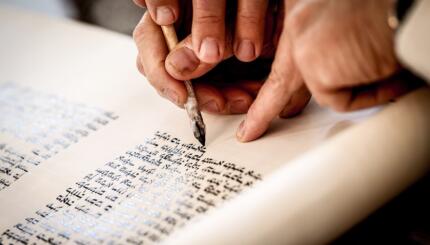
(184, 60)
(171, 95)
(241, 131)
(209, 50)
(210, 106)
(164, 15)
(238, 106)
(246, 50)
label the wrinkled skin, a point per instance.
(343, 51)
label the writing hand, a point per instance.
(226, 87)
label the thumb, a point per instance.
(183, 64)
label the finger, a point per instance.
(349, 99)
(249, 31)
(209, 98)
(297, 103)
(225, 101)
(152, 52)
(251, 87)
(238, 100)
(139, 65)
(208, 30)
(277, 21)
(283, 81)
(183, 64)
(163, 12)
(140, 3)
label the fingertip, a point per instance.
(245, 50)
(182, 62)
(249, 29)
(139, 65)
(240, 132)
(210, 50)
(248, 130)
(208, 30)
(140, 3)
(164, 15)
(163, 12)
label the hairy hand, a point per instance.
(224, 84)
(343, 51)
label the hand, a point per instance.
(209, 27)
(225, 88)
(342, 50)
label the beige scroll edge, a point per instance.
(321, 194)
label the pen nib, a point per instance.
(196, 119)
(199, 132)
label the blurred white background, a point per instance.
(59, 8)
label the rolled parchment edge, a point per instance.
(321, 194)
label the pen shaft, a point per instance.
(191, 106)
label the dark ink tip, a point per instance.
(200, 135)
(202, 139)
(199, 128)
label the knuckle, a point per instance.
(139, 31)
(249, 18)
(153, 75)
(150, 77)
(208, 18)
(284, 79)
(298, 18)
(277, 78)
(140, 66)
(293, 23)
(306, 53)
